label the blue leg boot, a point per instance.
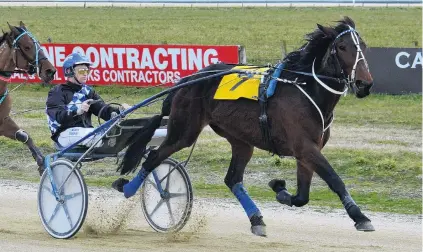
(257, 225)
(132, 187)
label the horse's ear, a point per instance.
(349, 21)
(329, 32)
(13, 29)
(22, 25)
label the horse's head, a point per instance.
(346, 52)
(27, 54)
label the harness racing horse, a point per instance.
(310, 85)
(20, 52)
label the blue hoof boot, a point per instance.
(131, 188)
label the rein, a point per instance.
(3, 97)
(5, 78)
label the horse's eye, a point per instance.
(27, 48)
(342, 48)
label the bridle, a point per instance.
(33, 66)
(350, 79)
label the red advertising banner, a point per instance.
(136, 65)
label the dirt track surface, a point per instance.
(215, 225)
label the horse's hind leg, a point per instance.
(184, 127)
(10, 130)
(241, 155)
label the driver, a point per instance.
(70, 105)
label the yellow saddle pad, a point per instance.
(231, 88)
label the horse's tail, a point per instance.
(138, 144)
(167, 104)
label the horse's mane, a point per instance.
(3, 37)
(315, 47)
(5, 34)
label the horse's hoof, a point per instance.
(257, 225)
(259, 230)
(365, 226)
(284, 197)
(41, 170)
(277, 185)
(39, 160)
(119, 183)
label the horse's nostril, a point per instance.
(366, 84)
(50, 72)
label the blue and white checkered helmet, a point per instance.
(71, 61)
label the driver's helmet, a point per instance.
(73, 60)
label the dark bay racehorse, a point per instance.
(20, 52)
(327, 65)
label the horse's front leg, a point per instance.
(301, 198)
(241, 155)
(10, 130)
(312, 157)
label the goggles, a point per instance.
(83, 71)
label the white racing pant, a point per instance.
(73, 135)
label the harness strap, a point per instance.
(318, 110)
(17, 70)
(3, 96)
(318, 75)
(326, 86)
(272, 83)
(263, 118)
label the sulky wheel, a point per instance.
(62, 215)
(167, 207)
